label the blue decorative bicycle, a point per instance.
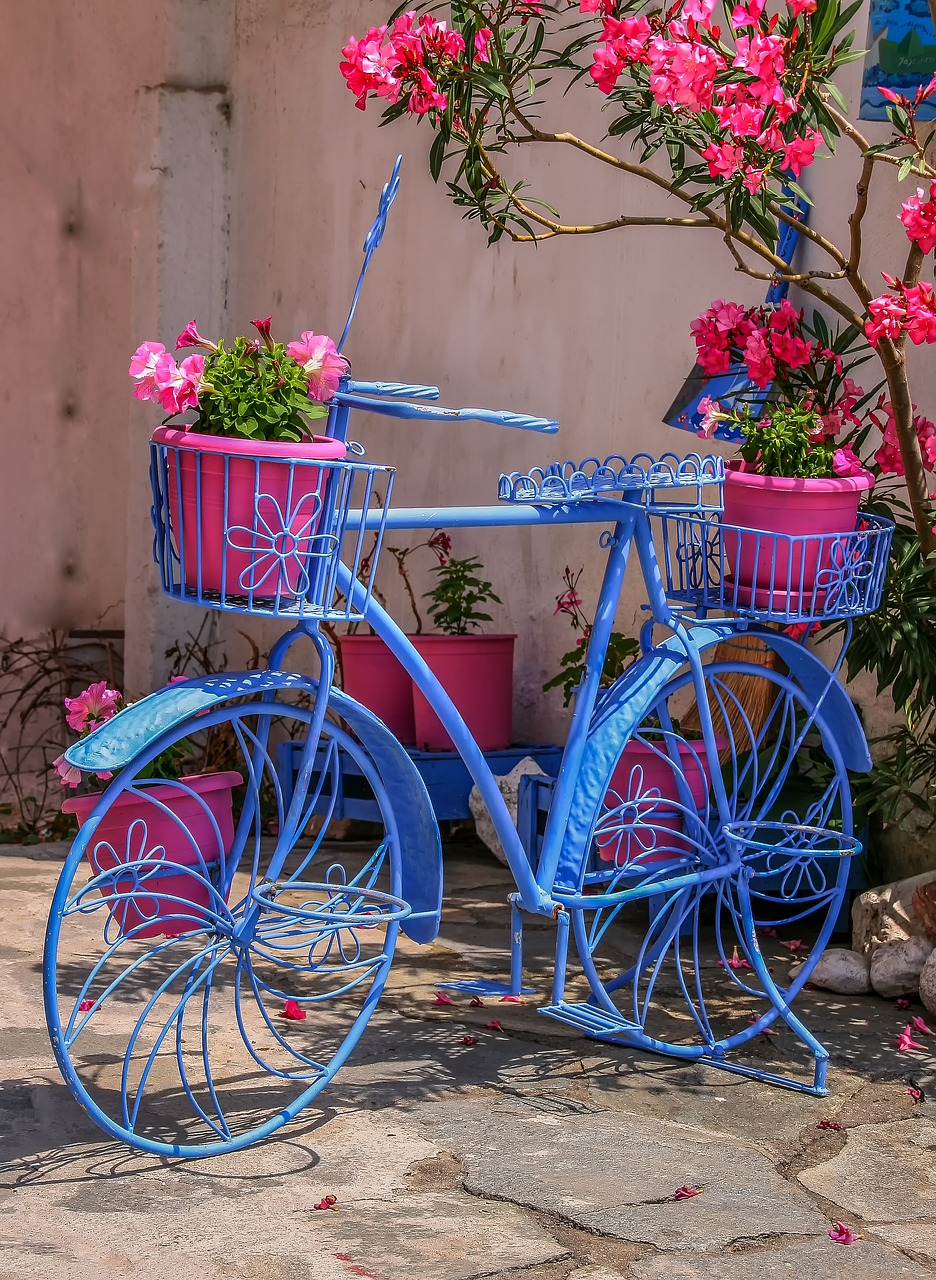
(208, 972)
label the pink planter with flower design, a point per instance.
(196, 833)
(248, 516)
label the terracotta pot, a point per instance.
(247, 511)
(134, 829)
(477, 673)
(773, 572)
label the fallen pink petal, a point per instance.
(475, 1003)
(828, 1124)
(85, 1006)
(442, 999)
(511, 1000)
(903, 1003)
(293, 1011)
(737, 962)
(686, 1193)
(915, 1094)
(794, 944)
(905, 1041)
(469, 1040)
(329, 1202)
(493, 1025)
(842, 1234)
(919, 1025)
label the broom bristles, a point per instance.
(742, 714)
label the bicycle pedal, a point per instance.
(485, 987)
(598, 1023)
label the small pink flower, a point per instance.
(92, 706)
(190, 337)
(842, 1234)
(915, 1093)
(68, 774)
(293, 1011)
(512, 1000)
(482, 43)
(686, 1193)
(568, 602)
(328, 1202)
(442, 999)
(321, 363)
(263, 328)
(177, 386)
(143, 369)
(493, 1025)
(794, 944)
(903, 1003)
(475, 1003)
(919, 1025)
(85, 1006)
(829, 1124)
(469, 1040)
(905, 1041)
(802, 6)
(735, 961)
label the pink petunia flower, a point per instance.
(293, 1011)
(92, 706)
(177, 386)
(321, 363)
(143, 369)
(69, 776)
(263, 328)
(842, 1234)
(190, 337)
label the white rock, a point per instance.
(896, 966)
(928, 984)
(839, 970)
(886, 914)
(509, 785)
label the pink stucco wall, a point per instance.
(203, 157)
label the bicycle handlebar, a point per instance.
(414, 389)
(432, 413)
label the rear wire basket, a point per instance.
(265, 536)
(776, 577)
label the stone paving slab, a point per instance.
(617, 1174)
(885, 1172)
(814, 1259)
(918, 1238)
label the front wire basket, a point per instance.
(264, 536)
(776, 577)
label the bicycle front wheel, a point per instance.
(195, 1005)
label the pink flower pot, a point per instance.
(248, 516)
(477, 673)
(134, 829)
(645, 822)
(773, 573)
(373, 677)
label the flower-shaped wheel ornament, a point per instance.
(846, 581)
(281, 545)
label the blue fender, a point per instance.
(627, 703)
(116, 743)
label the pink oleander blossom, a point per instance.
(92, 707)
(918, 214)
(905, 1041)
(747, 14)
(724, 159)
(757, 358)
(800, 152)
(482, 43)
(321, 362)
(920, 324)
(143, 369)
(801, 6)
(887, 315)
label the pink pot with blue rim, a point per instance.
(807, 514)
(245, 513)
